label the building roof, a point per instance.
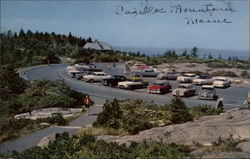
(96, 45)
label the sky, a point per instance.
(105, 21)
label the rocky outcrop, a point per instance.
(47, 112)
(206, 130)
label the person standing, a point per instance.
(87, 103)
(219, 104)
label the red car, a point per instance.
(159, 87)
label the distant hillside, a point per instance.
(242, 54)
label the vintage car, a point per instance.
(221, 82)
(203, 80)
(80, 75)
(187, 78)
(146, 73)
(159, 87)
(167, 75)
(83, 66)
(138, 67)
(95, 77)
(113, 80)
(184, 90)
(72, 72)
(208, 92)
(133, 83)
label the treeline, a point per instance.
(33, 48)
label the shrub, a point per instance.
(203, 110)
(88, 147)
(224, 73)
(179, 111)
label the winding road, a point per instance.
(232, 97)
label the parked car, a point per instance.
(167, 76)
(221, 82)
(208, 92)
(159, 87)
(84, 66)
(80, 75)
(187, 78)
(184, 90)
(95, 77)
(138, 67)
(72, 73)
(203, 80)
(113, 80)
(133, 83)
(146, 73)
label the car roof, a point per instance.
(161, 81)
(100, 72)
(190, 74)
(184, 84)
(207, 86)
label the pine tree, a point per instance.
(194, 52)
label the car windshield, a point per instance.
(189, 75)
(205, 77)
(160, 83)
(220, 80)
(207, 88)
(181, 86)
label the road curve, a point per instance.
(233, 97)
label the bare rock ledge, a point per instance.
(204, 130)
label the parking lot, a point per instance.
(232, 96)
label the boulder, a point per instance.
(244, 146)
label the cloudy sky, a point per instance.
(106, 20)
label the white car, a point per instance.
(96, 77)
(221, 82)
(184, 90)
(133, 83)
(72, 73)
(187, 78)
(203, 80)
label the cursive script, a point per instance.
(179, 9)
(199, 21)
(206, 8)
(146, 10)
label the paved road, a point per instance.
(34, 138)
(233, 96)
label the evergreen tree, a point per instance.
(184, 53)
(194, 52)
(210, 56)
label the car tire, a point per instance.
(110, 85)
(91, 81)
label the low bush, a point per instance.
(12, 128)
(224, 73)
(135, 115)
(203, 110)
(46, 94)
(87, 146)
